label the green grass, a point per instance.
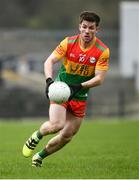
(101, 149)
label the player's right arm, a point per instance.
(48, 65)
(48, 70)
(56, 55)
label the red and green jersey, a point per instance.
(79, 64)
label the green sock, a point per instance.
(43, 153)
(39, 135)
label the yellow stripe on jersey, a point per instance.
(61, 49)
(103, 61)
(78, 69)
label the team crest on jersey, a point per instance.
(92, 60)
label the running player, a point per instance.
(85, 61)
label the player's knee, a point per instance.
(55, 127)
(50, 127)
(66, 137)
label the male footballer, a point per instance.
(85, 61)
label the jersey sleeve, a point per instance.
(103, 61)
(61, 49)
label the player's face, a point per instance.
(87, 30)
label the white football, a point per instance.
(59, 92)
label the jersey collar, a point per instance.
(91, 45)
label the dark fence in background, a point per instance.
(19, 102)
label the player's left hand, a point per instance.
(74, 89)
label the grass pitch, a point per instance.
(101, 149)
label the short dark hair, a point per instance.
(89, 16)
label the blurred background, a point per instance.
(31, 29)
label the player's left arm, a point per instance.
(96, 81)
(100, 71)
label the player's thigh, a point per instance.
(57, 113)
(57, 118)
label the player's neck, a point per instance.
(86, 45)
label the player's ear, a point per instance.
(80, 27)
(97, 28)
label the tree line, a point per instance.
(55, 14)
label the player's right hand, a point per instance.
(49, 81)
